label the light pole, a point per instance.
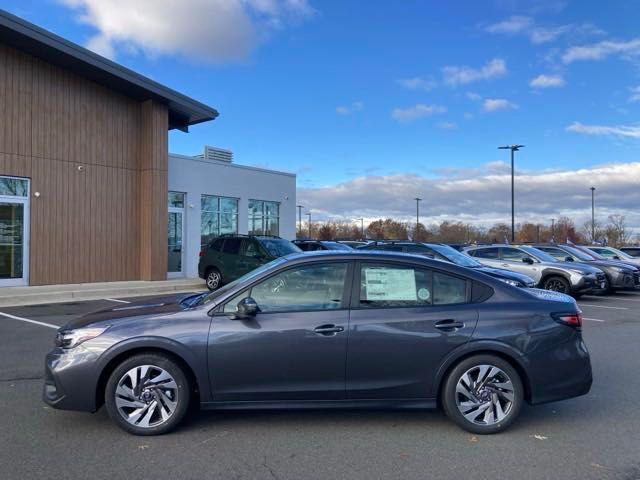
(300, 207)
(593, 214)
(513, 148)
(418, 200)
(309, 215)
(553, 230)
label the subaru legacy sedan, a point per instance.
(327, 330)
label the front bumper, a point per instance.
(625, 281)
(70, 379)
(593, 284)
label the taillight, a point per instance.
(201, 254)
(570, 319)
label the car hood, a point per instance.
(502, 273)
(581, 267)
(160, 305)
(614, 263)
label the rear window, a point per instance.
(278, 247)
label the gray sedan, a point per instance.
(327, 330)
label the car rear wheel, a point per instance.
(213, 279)
(557, 284)
(147, 394)
(483, 394)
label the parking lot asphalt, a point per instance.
(595, 436)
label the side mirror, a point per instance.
(246, 308)
(616, 257)
(568, 259)
(527, 260)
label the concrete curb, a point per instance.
(21, 296)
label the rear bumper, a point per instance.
(564, 373)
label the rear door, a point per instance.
(230, 258)
(489, 256)
(404, 320)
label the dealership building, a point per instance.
(88, 189)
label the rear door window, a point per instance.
(232, 246)
(513, 254)
(488, 253)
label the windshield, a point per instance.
(578, 253)
(539, 254)
(336, 246)
(454, 256)
(247, 276)
(591, 253)
(278, 247)
(621, 254)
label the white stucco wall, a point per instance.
(196, 177)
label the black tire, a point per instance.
(213, 278)
(450, 396)
(181, 394)
(557, 283)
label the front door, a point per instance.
(14, 231)
(404, 323)
(175, 235)
(294, 348)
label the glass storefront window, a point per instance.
(219, 216)
(176, 199)
(264, 217)
(14, 187)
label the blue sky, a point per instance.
(341, 91)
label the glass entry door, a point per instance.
(14, 234)
(175, 233)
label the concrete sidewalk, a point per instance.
(15, 296)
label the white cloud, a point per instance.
(416, 112)
(473, 96)
(496, 104)
(512, 25)
(349, 109)
(480, 195)
(211, 31)
(628, 131)
(601, 50)
(418, 83)
(521, 25)
(447, 125)
(547, 81)
(635, 94)
(460, 75)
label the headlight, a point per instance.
(515, 283)
(73, 338)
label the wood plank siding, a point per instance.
(99, 162)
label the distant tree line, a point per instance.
(615, 232)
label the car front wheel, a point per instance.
(557, 284)
(483, 394)
(147, 394)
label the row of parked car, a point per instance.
(566, 268)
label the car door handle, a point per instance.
(328, 330)
(449, 325)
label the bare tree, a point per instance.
(617, 231)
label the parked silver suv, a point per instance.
(550, 274)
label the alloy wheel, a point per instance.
(556, 285)
(146, 396)
(484, 395)
(213, 280)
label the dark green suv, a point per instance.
(230, 256)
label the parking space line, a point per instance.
(622, 299)
(602, 306)
(116, 300)
(593, 319)
(28, 320)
